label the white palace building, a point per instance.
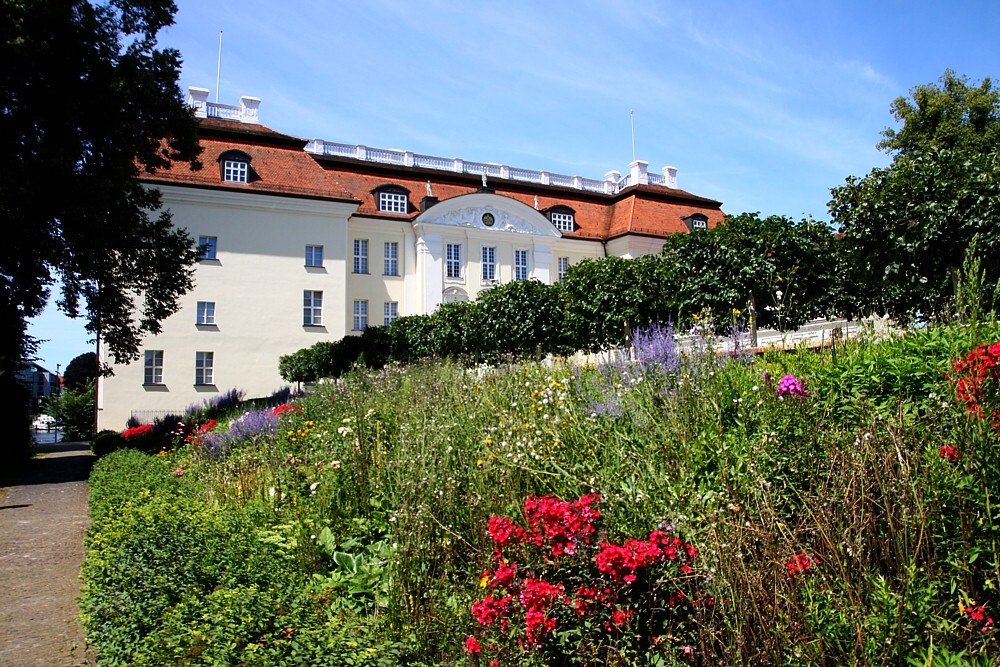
(312, 240)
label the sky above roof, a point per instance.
(761, 105)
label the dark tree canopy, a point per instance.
(81, 370)
(87, 104)
(907, 227)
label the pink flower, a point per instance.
(789, 385)
(472, 646)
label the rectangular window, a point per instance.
(392, 202)
(209, 245)
(390, 312)
(312, 308)
(391, 254)
(314, 255)
(520, 265)
(360, 255)
(489, 264)
(360, 315)
(153, 367)
(235, 171)
(453, 261)
(204, 367)
(206, 312)
(563, 267)
(563, 221)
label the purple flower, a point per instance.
(655, 347)
(247, 427)
(789, 385)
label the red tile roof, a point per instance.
(280, 166)
(278, 163)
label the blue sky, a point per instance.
(762, 105)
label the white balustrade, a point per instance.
(492, 170)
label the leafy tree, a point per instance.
(87, 103)
(522, 318)
(81, 369)
(607, 297)
(908, 227)
(73, 411)
(955, 114)
(773, 272)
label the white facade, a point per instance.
(256, 285)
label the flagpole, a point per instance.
(218, 71)
(631, 114)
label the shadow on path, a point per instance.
(54, 463)
(42, 526)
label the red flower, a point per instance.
(137, 431)
(285, 407)
(490, 609)
(949, 452)
(503, 531)
(472, 645)
(800, 563)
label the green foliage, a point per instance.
(73, 411)
(609, 297)
(521, 319)
(105, 442)
(907, 228)
(775, 269)
(955, 114)
(893, 374)
(69, 194)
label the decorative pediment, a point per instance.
(488, 212)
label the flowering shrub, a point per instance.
(249, 426)
(977, 382)
(789, 385)
(285, 407)
(137, 431)
(554, 589)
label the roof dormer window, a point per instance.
(392, 199)
(234, 167)
(562, 218)
(696, 221)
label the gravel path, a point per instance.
(43, 516)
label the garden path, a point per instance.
(43, 516)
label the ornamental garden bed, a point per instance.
(833, 507)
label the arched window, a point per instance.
(234, 167)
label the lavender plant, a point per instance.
(251, 426)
